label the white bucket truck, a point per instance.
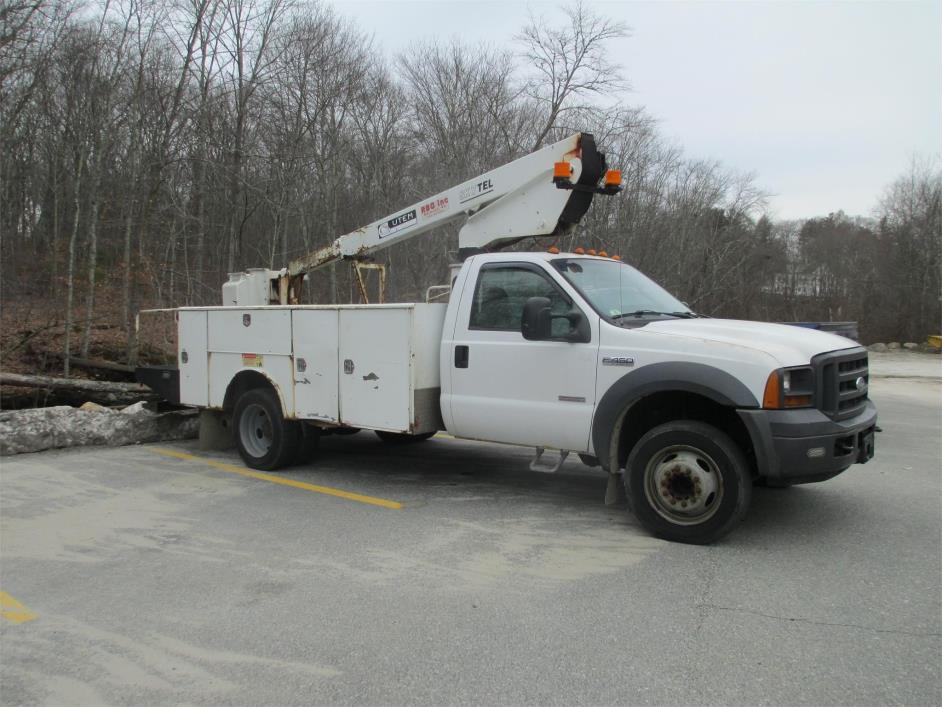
(576, 352)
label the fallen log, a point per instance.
(79, 385)
(99, 364)
(91, 364)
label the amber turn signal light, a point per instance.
(772, 399)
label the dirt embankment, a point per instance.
(32, 342)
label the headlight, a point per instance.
(789, 388)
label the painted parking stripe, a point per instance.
(262, 476)
(12, 610)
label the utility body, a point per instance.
(568, 351)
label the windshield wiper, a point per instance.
(652, 312)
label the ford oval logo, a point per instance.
(861, 384)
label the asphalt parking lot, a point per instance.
(448, 573)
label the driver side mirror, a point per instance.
(536, 324)
(537, 321)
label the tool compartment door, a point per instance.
(192, 357)
(314, 335)
(375, 365)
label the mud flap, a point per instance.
(615, 490)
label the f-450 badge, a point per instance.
(617, 361)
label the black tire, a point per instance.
(265, 439)
(688, 482)
(308, 444)
(403, 438)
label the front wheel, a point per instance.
(265, 439)
(687, 481)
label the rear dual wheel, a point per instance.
(264, 438)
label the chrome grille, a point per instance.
(842, 379)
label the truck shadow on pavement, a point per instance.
(455, 470)
(452, 466)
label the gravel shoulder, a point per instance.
(905, 364)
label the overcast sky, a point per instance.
(826, 101)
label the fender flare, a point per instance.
(248, 374)
(671, 376)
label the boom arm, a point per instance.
(519, 199)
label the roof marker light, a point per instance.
(591, 251)
(553, 249)
(603, 254)
(579, 251)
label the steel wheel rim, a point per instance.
(683, 485)
(255, 430)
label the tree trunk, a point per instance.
(92, 253)
(126, 283)
(70, 274)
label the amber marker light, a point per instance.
(579, 251)
(613, 178)
(562, 170)
(553, 249)
(616, 257)
(797, 401)
(591, 251)
(603, 254)
(772, 399)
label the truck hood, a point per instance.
(789, 345)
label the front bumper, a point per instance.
(802, 446)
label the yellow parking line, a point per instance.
(12, 610)
(222, 466)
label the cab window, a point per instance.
(501, 292)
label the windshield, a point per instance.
(618, 291)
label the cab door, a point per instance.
(507, 389)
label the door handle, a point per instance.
(461, 357)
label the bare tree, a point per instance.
(911, 230)
(570, 62)
(248, 38)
